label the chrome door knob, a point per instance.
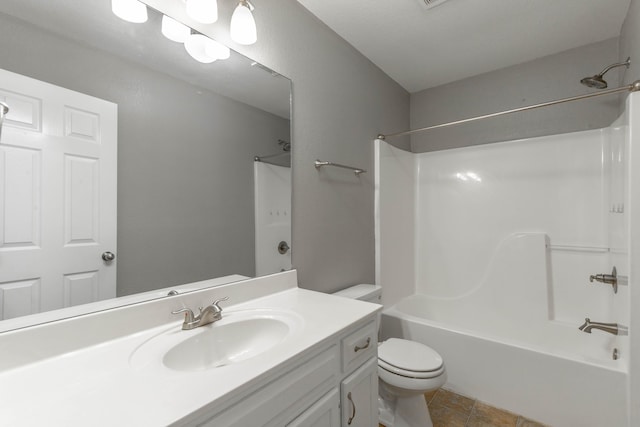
(108, 256)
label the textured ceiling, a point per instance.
(422, 48)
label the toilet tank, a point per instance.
(363, 292)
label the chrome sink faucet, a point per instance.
(212, 313)
(612, 328)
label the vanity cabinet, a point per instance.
(334, 385)
(324, 413)
(310, 362)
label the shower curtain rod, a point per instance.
(263, 158)
(633, 87)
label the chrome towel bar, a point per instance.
(318, 164)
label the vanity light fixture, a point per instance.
(196, 45)
(205, 50)
(201, 48)
(217, 50)
(130, 10)
(243, 26)
(203, 11)
(174, 30)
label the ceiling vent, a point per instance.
(432, 3)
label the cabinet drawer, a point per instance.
(359, 346)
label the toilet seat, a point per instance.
(409, 359)
(409, 374)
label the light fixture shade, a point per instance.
(217, 50)
(196, 46)
(130, 10)
(174, 30)
(243, 26)
(203, 11)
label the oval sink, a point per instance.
(222, 344)
(239, 336)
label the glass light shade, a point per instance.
(203, 11)
(243, 26)
(217, 50)
(130, 10)
(196, 46)
(174, 30)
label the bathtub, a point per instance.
(551, 373)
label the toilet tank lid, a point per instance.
(362, 292)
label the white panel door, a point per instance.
(58, 152)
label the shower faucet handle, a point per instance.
(610, 279)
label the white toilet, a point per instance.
(406, 370)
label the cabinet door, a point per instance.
(324, 413)
(359, 396)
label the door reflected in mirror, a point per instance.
(111, 123)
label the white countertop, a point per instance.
(98, 386)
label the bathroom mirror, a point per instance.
(187, 134)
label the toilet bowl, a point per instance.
(406, 370)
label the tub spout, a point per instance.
(612, 328)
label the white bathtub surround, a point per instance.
(541, 384)
(632, 191)
(272, 205)
(92, 368)
(506, 236)
(395, 204)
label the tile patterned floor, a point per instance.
(449, 409)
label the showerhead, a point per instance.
(597, 82)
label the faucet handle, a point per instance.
(188, 314)
(218, 301)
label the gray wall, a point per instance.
(341, 101)
(185, 160)
(545, 79)
(630, 42)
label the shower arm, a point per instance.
(619, 64)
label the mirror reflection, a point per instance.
(128, 166)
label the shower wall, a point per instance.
(272, 206)
(474, 209)
(472, 201)
(630, 46)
